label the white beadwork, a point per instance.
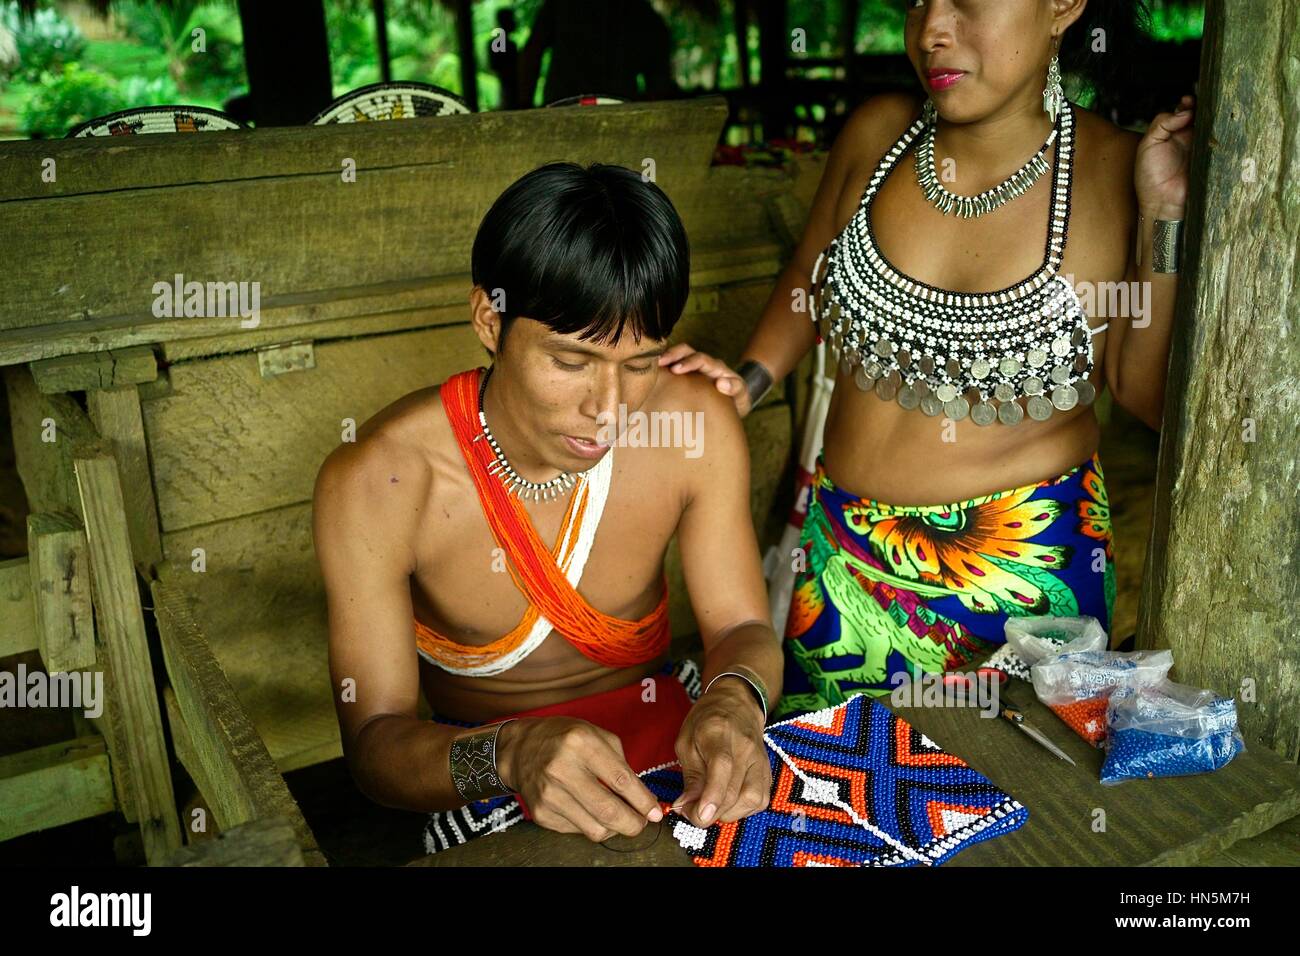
(956, 344)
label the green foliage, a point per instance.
(45, 41)
(1177, 21)
(152, 61)
(66, 98)
(62, 78)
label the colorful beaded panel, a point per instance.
(853, 785)
(957, 353)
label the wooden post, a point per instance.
(741, 25)
(468, 55)
(1222, 586)
(773, 55)
(287, 57)
(381, 41)
(121, 627)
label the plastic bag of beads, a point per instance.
(1077, 684)
(1034, 638)
(1169, 730)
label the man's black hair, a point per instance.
(588, 251)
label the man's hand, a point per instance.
(724, 762)
(574, 778)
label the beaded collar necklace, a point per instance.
(953, 352)
(516, 483)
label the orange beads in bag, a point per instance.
(1077, 684)
(1087, 718)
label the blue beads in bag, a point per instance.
(1169, 730)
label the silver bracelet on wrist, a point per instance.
(759, 691)
(758, 380)
(1166, 245)
(473, 762)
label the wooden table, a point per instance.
(1073, 819)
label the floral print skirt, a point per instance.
(886, 590)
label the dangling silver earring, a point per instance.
(928, 113)
(1053, 95)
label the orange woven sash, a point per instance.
(536, 569)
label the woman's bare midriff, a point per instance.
(877, 449)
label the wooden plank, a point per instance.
(1279, 846)
(91, 166)
(53, 785)
(268, 842)
(263, 611)
(112, 367)
(527, 844)
(44, 429)
(17, 610)
(226, 757)
(60, 581)
(121, 626)
(328, 313)
(396, 205)
(228, 442)
(1170, 822)
(1220, 589)
(1177, 821)
(115, 413)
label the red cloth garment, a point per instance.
(647, 728)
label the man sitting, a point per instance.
(505, 527)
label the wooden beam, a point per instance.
(60, 581)
(216, 741)
(115, 413)
(122, 633)
(73, 373)
(1222, 588)
(275, 183)
(334, 313)
(17, 610)
(45, 428)
(53, 785)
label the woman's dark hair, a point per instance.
(1105, 48)
(585, 251)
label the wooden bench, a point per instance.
(213, 433)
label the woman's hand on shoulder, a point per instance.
(683, 359)
(1160, 171)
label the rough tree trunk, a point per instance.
(1223, 572)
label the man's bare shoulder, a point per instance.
(386, 473)
(694, 393)
(708, 418)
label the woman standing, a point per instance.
(950, 249)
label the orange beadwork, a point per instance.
(536, 570)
